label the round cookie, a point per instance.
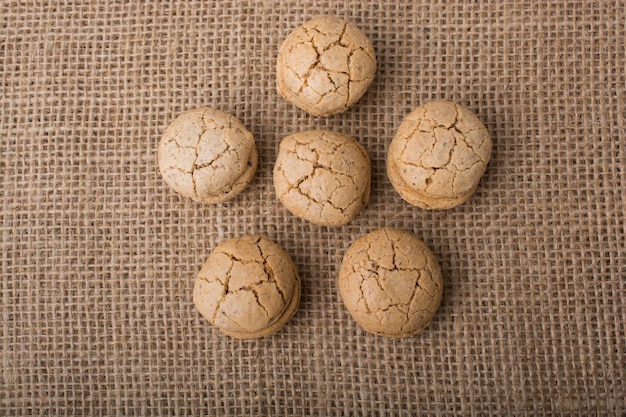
(438, 155)
(391, 283)
(207, 155)
(322, 176)
(325, 66)
(248, 287)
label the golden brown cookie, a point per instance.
(248, 287)
(325, 66)
(207, 155)
(391, 283)
(322, 176)
(438, 155)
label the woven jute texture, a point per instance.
(99, 256)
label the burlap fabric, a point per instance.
(99, 255)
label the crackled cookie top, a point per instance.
(207, 155)
(391, 283)
(325, 66)
(322, 176)
(438, 155)
(248, 287)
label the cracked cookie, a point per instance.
(207, 155)
(248, 287)
(391, 283)
(325, 66)
(322, 176)
(438, 155)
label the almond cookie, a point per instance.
(325, 66)
(438, 155)
(207, 155)
(322, 176)
(248, 287)
(391, 283)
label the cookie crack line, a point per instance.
(464, 134)
(242, 329)
(323, 34)
(455, 128)
(195, 166)
(269, 271)
(251, 286)
(307, 74)
(316, 164)
(215, 158)
(313, 199)
(225, 291)
(323, 202)
(417, 289)
(337, 42)
(397, 306)
(174, 140)
(324, 137)
(362, 298)
(453, 149)
(197, 154)
(471, 148)
(356, 198)
(295, 186)
(393, 249)
(419, 157)
(236, 258)
(342, 34)
(396, 268)
(429, 312)
(237, 181)
(175, 168)
(302, 42)
(326, 93)
(258, 301)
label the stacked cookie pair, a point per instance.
(389, 280)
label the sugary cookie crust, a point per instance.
(322, 176)
(391, 283)
(438, 155)
(207, 155)
(325, 66)
(248, 287)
